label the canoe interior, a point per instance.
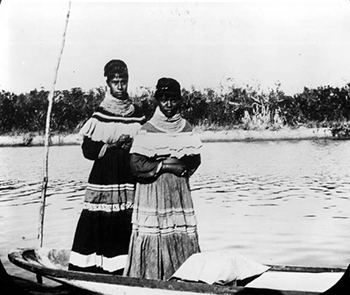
(58, 271)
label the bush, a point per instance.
(246, 108)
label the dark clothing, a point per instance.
(104, 228)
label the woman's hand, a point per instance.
(124, 141)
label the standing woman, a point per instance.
(104, 228)
(164, 155)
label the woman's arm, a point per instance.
(91, 149)
(147, 168)
(94, 150)
(143, 167)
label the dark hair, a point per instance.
(115, 66)
(167, 86)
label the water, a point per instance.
(276, 202)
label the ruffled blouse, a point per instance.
(106, 127)
(152, 145)
(152, 142)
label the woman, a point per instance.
(164, 155)
(104, 228)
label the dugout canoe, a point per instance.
(279, 280)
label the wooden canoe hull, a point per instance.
(113, 284)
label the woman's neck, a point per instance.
(116, 106)
(174, 124)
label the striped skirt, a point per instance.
(164, 232)
(104, 228)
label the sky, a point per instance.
(213, 44)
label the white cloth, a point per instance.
(220, 267)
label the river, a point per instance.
(275, 202)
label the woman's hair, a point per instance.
(115, 67)
(167, 86)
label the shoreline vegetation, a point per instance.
(232, 114)
(301, 133)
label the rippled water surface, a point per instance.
(277, 202)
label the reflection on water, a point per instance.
(279, 202)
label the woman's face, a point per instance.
(118, 87)
(169, 105)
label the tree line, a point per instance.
(238, 107)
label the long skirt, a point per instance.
(164, 230)
(102, 234)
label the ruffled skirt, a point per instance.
(103, 231)
(164, 230)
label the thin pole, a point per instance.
(47, 138)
